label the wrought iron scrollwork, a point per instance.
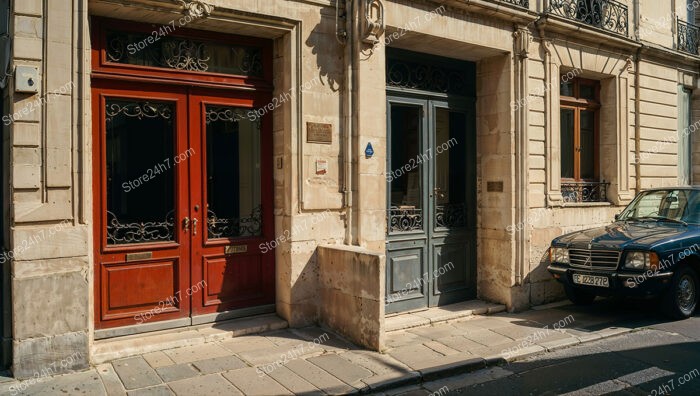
(521, 3)
(688, 37)
(225, 114)
(451, 215)
(138, 110)
(584, 191)
(218, 227)
(412, 75)
(139, 232)
(609, 15)
(186, 55)
(405, 219)
(182, 54)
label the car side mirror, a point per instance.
(617, 216)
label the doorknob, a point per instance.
(194, 226)
(186, 223)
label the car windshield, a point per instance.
(681, 206)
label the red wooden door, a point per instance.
(183, 202)
(141, 203)
(231, 198)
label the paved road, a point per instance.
(661, 359)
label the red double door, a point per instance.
(183, 203)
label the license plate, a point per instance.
(591, 280)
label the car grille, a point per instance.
(594, 259)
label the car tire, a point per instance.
(681, 299)
(578, 296)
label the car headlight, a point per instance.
(559, 255)
(642, 260)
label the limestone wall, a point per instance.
(352, 298)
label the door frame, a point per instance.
(188, 83)
(424, 243)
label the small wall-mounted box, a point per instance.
(26, 79)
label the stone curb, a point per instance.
(449, 370)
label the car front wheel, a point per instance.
(682, 298)
(578, 296)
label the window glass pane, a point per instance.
(567, 143)
(587, 91)
(140, 177)
(684, 146)
(587, 148)
(406, 168)
(233, 173)
(566, 88)
(450, 168)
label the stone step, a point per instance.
(445, 313)
(120, 347)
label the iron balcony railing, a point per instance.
(584, 191)
(519, 3)
(608, 15)
(688, 37)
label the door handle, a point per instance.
(194, 226)
(186, 224)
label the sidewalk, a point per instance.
(312, 361)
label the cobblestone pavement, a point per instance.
(313, 361)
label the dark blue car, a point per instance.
(651, 250)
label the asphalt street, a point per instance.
(661, 359)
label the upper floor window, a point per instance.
(580, 141)
(579, 129)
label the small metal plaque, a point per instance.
(494, 186)
(319, 133)
(139, 256)
(230, 249)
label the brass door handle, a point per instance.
(186, 223)
(194, 226)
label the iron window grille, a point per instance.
(609, 15)
(519, 3)
(688, 37)
(576, 192)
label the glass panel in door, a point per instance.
(140, 148)
(450, 168)
(404, 175)
(233, 173)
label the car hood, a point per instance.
(621, 234)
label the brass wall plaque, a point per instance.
(319, 133)
(139, 256)
(230, 249)
(494, 186)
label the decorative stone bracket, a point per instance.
(196, 8)
(372, 21)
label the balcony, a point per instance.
(688, 37)
(519, 3)
(608, 15)
(577, 192)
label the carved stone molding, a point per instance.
(523, 38)
(372, 21)
(196, 8)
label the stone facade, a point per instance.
(521, 53)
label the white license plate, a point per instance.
(591, 280)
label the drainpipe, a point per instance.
(349, 105)
(521, 41)
(637, 125)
